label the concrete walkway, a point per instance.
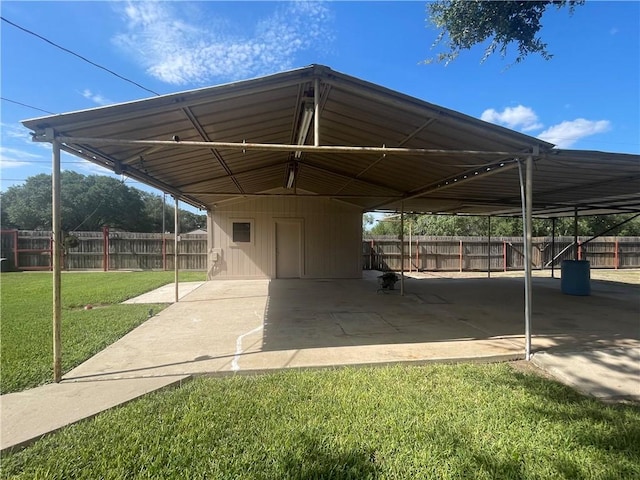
(610, 374)
(223, 327)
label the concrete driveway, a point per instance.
(255, 325)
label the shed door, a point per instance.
(289, 249)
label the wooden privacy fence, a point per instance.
(106, 250)
(462, 254)
(113, 250)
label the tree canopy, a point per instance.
(461, 225)
(465, 23)
(88, 203)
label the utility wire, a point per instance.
(77, 55)
(25, 105)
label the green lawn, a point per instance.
(402, 422)
(26, 320)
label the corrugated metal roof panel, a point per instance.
(353, 112)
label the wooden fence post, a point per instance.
(504, 255)
(164, 251)
(371, 256)
(15, 249)
(105, 249)
(461, 254)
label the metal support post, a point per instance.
(575, 233)
(316, 112)
(527, 204)
(175, 247)
(489, 248)
(529, 253)
(402, 248)
(56, 226)
(410, 259)
(553, 246)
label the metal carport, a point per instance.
(316, 132)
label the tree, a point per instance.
(475, 226)
(87, 203)
(465, 23)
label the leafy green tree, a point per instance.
(87, 203)
(462, 225)
(465, 23)
(28, 206)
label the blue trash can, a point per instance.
(576, 277)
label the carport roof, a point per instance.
(219, 144)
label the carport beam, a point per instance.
(56, 233)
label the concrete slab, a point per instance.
(231, 326)
(225, 327)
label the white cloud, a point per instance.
(177, 50)
(521, 117)
(14, 157)
(567, 133)
(562, 135)
(14, 131)
(95, 97)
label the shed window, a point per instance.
(241, 232)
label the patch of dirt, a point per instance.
(524, 366)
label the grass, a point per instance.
(26, 322)
(402, 422)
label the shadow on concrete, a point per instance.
(97, 376)
(334, 313)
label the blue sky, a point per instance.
(586, 97)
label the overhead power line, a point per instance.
(25, 105)
(77, 55)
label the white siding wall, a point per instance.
(332, 238)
